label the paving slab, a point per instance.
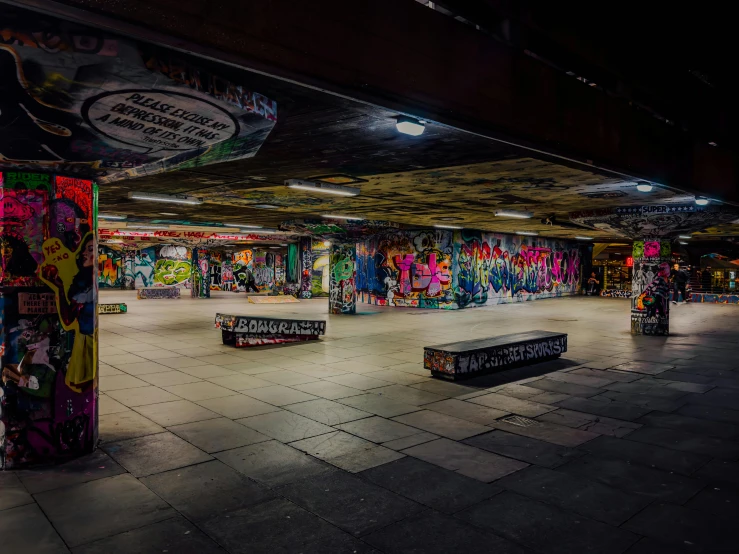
(285, 426)
(646, 368)
(614, 376)
(280, 527)
(379, 405)
(172, 535)
(352, 504)
(721, 472)
(466, 410)
(411, 478)
(409, 395)
(441, 424)
(685, 528)
(605, 407)
(175, 413)
(127, 425)
(635, 478)
(646, 401)
(97, 465)
(687, 442)
(523, 448)
(563, 387)
(84, 513)
(431, 533)
(657, 390)
(512, 405)
(327, 389)
(413, 440)
(237, 406)
(279, 395)
(649, 455)
(214, 435)
(154, 453)
(546, 528)
(542, 430)
(575, 493)
(720, 397)
(205, 491)
(719, 501)
(273, 463)
(467, 460)
(587, 380)
(590, 422)
(14, 494)
(712, 413)
(25, 529)
(691, 424)
(327, 412)
(378, 429)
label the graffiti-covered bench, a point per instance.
(243, 330)
(157, 292)
(112, 308)
(459, 360)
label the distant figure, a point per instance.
(706, 278)
(250, 282)
(679, 284)
(592, 284)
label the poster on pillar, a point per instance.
(48, 330)
(650, 289)
(342, 284)
(80, 101)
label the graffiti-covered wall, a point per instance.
(264, 269)
(460, 269)
(173, 266)
(48, 328)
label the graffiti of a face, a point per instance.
(664, 270)
(88, 255)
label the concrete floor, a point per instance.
(625, 444)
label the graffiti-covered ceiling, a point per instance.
(137, 118)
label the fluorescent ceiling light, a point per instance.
(284, 244)
(514, 214)
(643, 186)
(112, 216)
(259, 231)
(243, 226)
(347, 217)
(584, 238)
(273, 247)
(169, 198)
(323, 188)
(683, 242)
(167, 213)
(701, 201)
(448, 227)
(409, 126)
(264, 206)
(527, 233)
(684, 236)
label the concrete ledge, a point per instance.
(241, 330)
(464, 359)
(151, 293)
(112, 308)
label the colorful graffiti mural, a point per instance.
(144, 266)
(342, 285)
(48, 329)
(100, 106)
(242, 267)
(173, 266)
(200, 273)
(450, 270)
(125, 269)
(650, 298)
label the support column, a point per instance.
(48, 332)
(200, 273)
(650, 287)
(342, 290)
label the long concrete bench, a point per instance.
(244, 330)
(459, 360)
(148, 293)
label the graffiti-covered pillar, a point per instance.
(343, 271)
(48, 330)
(200, 273)
(650, 289)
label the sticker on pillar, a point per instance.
(71, 276)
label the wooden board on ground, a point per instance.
(284, 299)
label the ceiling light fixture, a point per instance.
(169, 198)
(584, 238)
(260, 231)
(167, 213)
(347, 217)
(448, 227)
(683, 242)
(527, 233)
(701, 201)
(323, 188)
(643, 186)
(409, 126)
(243, 226)
(264, 206)
(685, 236)
(112, 216)
(514, 214)
(148, 227)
